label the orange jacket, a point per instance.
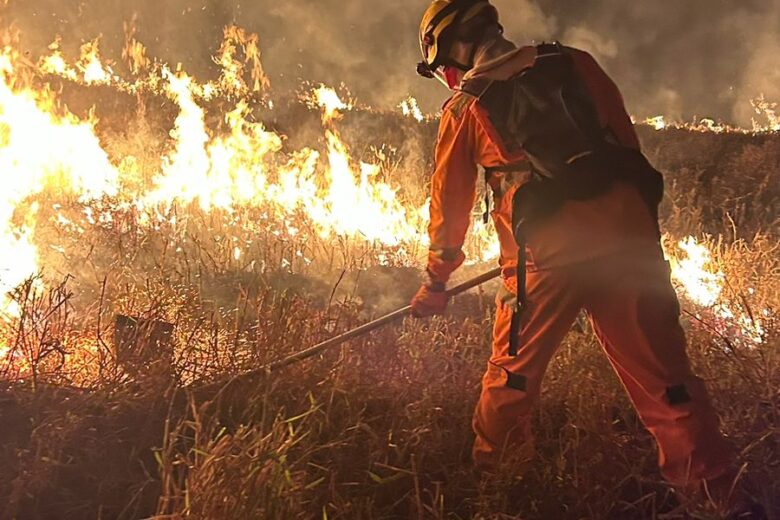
(580, 230)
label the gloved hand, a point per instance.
(430, 300)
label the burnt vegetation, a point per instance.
(379, 428)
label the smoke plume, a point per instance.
(697, 58)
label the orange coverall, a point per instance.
(602, 255)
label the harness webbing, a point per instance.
(522, 298)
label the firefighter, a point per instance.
(593, 247)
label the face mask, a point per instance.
(448, 76)
(451, 75)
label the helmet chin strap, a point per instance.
(460, 66)
(463, 67)
(450, 78)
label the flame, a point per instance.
(247, 166)
(329, 101)
(72, 160)
(185, 175)
(410, 108)
(769, 112)
(91, 67)
(762, 107)
(55, 63)
(702, 282)
(657, 122)
(359, 205)
(233, 69)
(226, 172)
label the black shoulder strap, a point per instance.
(476, 86)
(547, 50)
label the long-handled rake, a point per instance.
(343, 338)
(372, 325)
(220, 387)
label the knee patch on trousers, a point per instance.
(677, 394)
(516, 381)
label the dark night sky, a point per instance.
(677, 58)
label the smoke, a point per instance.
(583, 38)
(680, 59)
(697, 58)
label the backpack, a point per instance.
(547, 112)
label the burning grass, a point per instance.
(258, 228)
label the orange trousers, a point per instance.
(635, 313)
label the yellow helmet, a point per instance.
(438, 26)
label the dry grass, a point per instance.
(378, 428)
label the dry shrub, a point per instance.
(208, 471)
